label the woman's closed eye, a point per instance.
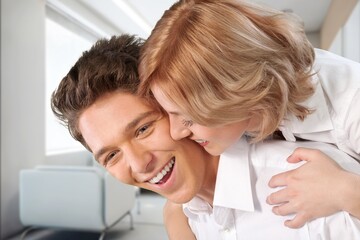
(187, 123)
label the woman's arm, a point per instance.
(176, 223)
(318, 188)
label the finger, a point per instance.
(303, 154)
(279, 180)
(297, 222)
(283, 210)
(278, 197)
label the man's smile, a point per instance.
(164, 174)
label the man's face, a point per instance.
(133, 142)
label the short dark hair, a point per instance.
(110, 65)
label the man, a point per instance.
(130, 137)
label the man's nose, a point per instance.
(139, 158)
(178, 130)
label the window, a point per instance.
(64, 45)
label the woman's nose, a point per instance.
(178, 130)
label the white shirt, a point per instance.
(240, 210)
(336, 103)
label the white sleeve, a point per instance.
(352, 125)
(337, 226)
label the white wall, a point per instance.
(314, 38)
(347, 41)
(22, 100)
(336, 17)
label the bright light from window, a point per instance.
(136, 17)
(63, 48)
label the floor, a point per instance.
(148, 225)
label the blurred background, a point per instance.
(42, 39)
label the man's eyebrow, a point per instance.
(136, 121)
(128, 127)
(101, 152)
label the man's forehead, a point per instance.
(115, 110)
(115, 116)
(124, 100)
(128, 130)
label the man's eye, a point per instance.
(142, 129)
(187, 123)
(110, 159)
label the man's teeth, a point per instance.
(200, 141)
(163, 172)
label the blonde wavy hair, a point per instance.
(224, 61)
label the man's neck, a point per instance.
(208, 189)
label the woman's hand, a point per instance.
(318, 188)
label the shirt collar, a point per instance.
(233, 188)
(199, 211)
(233, 182)
(197, 207)
(233, 174)
(317, 102)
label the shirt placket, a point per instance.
(228, 233)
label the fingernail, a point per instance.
(274, 210)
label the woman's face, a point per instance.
(215, 140)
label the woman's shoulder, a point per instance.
(331, 61)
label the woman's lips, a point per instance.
(202, 143)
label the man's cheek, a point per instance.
(124, 178)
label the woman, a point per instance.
(224, 68)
